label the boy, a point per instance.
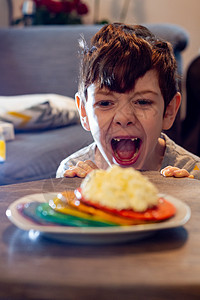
(127, 95)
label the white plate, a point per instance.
(95, 235)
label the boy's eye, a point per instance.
(143, 102)
(104, 103)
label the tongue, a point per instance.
(125, 149)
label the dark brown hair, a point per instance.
(119, 54)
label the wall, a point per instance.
(4, 17)
(181, 12)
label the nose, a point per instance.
(125, 116)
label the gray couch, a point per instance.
(35, 60)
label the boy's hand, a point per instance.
(175, 172)
(81, 169)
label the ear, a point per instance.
(171, 111)
(82, 112)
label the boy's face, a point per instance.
(126, 127)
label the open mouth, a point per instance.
(126, 151)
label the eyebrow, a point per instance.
(145, 92)
(103, 93)
(140, 93)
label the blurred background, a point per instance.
(181, 12)
(29, 66)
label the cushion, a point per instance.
(39, 111)
(37, 155)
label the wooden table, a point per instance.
(164, 266)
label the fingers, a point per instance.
(175, 172)
(86, 165)
(168, 171)
(81, 169)
(91, 164)
(181, 173)
(75, 171)
(191, 176)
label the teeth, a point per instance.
(118, 140)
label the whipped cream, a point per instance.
(120, 188)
